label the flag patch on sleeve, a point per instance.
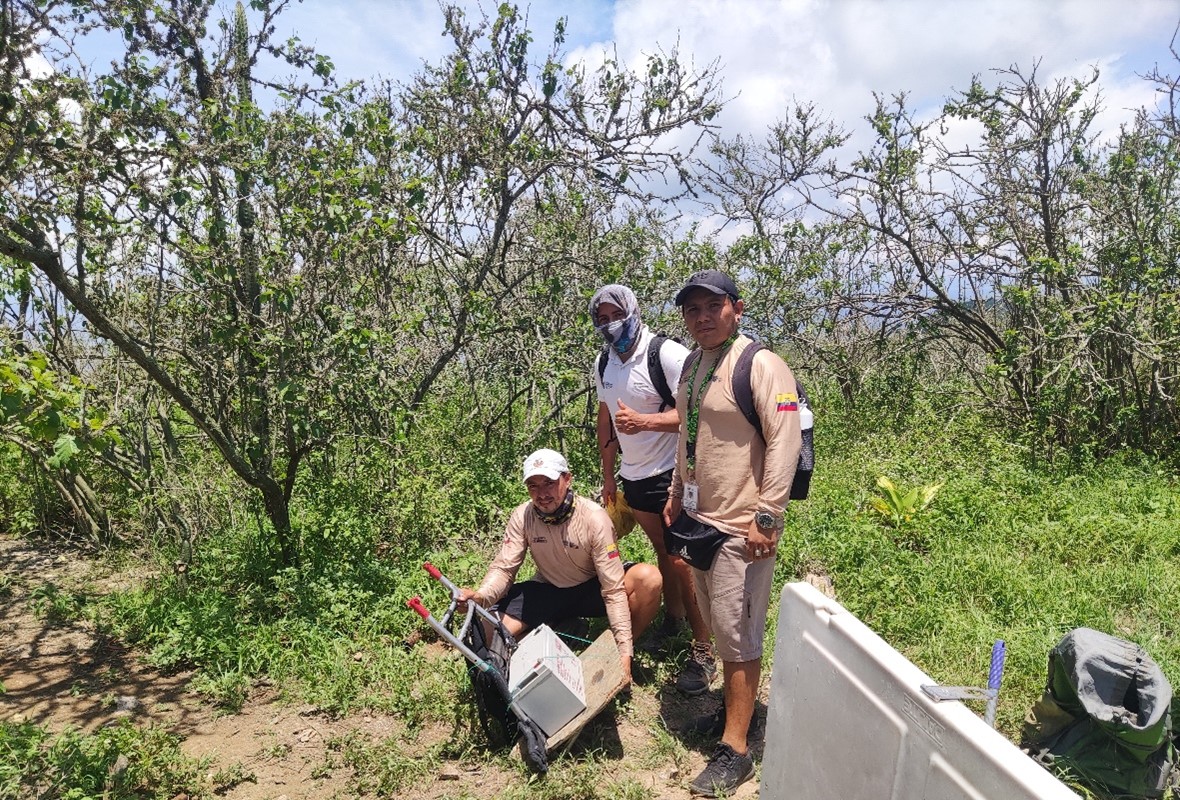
(788, 401)
(612, 550)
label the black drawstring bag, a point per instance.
(695, 542)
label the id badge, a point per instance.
(692, 497)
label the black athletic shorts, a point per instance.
(649, 494)
(535, 603)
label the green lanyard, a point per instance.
(693, 415)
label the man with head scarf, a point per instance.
(637, 422)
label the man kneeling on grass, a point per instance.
(579, 572)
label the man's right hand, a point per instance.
(609, 490)
(672, 510)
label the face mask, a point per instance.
(561, 513)
(620, 334)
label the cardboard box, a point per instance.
(545, 678)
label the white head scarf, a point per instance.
(621, 334)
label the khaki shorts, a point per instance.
(734, 598)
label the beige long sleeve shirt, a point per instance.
(581, 548)
(736, 471)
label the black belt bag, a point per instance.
(695, 542)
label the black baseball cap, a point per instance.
(714, 280)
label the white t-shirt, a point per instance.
(649, 453)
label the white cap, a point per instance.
(549, 463)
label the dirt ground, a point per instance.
(64, 674)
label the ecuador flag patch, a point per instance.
(612, 550)
(788, 401)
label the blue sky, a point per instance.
(833, 52)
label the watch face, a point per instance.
(764, 520)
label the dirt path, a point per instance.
(63, 674)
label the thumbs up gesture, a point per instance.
(628, 420)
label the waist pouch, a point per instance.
(695, 542)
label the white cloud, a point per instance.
(37, 66)
(836, 53)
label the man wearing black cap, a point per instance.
(730, 488)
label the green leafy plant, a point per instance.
(897, 507)
(226, 686)
(235, 774)
(118, 762)
(385, 768)
(54, 605)
(40, 407)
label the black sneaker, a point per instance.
(657, 638)
(726, 771)
(698, 673)
(709, 726)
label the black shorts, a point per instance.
(648, 494)
(535, 603)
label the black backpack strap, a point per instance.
(743, 392)
(689, 360)
(655, 371)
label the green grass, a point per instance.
(1008, 549)
(385, 768)
(588, 777)
(49, 602)
(1005, 551)
(117, 762)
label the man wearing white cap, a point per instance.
(579, 572)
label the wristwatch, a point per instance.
(768, 521)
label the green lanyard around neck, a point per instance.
(693, 415)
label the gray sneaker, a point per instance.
(698, 673)
(726, 770)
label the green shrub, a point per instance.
(116, 762)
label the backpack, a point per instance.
(655, 370)
(500, 725)
(1105, 717)
(499, 721)
(743, 394)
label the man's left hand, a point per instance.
(761, 543)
